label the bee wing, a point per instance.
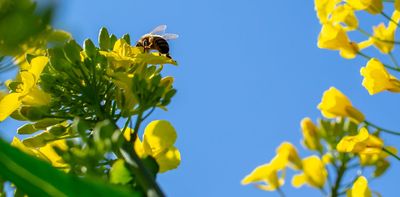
(159, 30)
(170, 36)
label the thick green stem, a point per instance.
(143, 176)
(340, 174)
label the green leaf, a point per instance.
(38, 178)
(119, 174)
(34, 113)
(26, 129)
(39, 140)
(43, 124)
(72, 51)
(59, 36)
(104, 39)
(113, 39)
(58, 130)
(90, 48)
(127, 38)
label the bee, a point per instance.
(156, 40)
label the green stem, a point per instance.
(280, 192)
(386, 66)
(390, 153)
(136, 128)
(381, 129)
(393, 59)
(142, 174)
(340, 174)
(374, 37)
(389, 18)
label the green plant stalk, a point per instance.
(390, 153)
(381, 129)
(340, 173)
(143, 176)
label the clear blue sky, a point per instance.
(248, 72)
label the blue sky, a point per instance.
(248, 72)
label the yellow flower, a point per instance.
(324, 8)
(334, 37)
(362, 143)
(26, 92)
(124, 56)
(46, 153)
(310, 135)
(158, 141)
(397, 5)
(335, 104)
(344, 14)
(287, 154)
(378, 79)
(372, 159)
(267, 174)
(327, 158)
(314, 173)
(360, 188)
(384, 36)
(371, 6)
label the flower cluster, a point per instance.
(336, 141)
(73, 98)
(344, 140)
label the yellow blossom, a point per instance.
(362, 143)
(46, 152)
(372, 159)
(324, 8)
(310, 135)
(314, 173)
(384, 36)
(335, 104)
(344, 14)
(26, 92)
(266, 176)
(158, 141)
(289, 155)
(334, 37)
(327, 158)
(378, 79)
(123, 56)
(397, 5)
(360, 188)
(371, 6)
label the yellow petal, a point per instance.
(298, 180)
(169, 160)
(287, 149)
(335, 104)
(377, 78)
(8, 104)
(360, 188)
(37, 66)
(36, 97)
(18, 144)
(51, 155)
(158, 136)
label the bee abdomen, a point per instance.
(162, 44)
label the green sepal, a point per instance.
(72, 51)
(104, 39)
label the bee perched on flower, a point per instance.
(157, 40)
